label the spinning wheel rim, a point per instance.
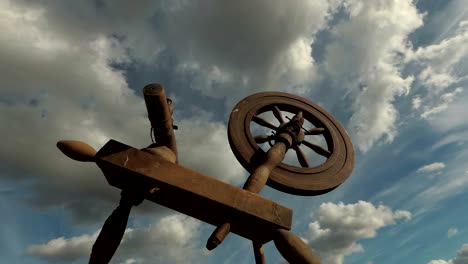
(286, 178)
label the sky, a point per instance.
(393, 72)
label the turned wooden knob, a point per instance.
(77, 150)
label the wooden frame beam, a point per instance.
(192, 193)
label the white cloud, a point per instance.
(439, 261)
(54, 88)
(436, 80)
(446, 99)
(268, 49)
(416, 102)
(441, 67)
(440, 60)
(203, 146)
(452, 119)
(173, 239)
(58, 83)
(452, 232)
(432, 167)
(338, 228)
(366, 60)
(452, 138)
(461, 258)
(65, 249)
(130, 261)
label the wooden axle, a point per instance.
(160, 116)
(259, 176)
(254, 184)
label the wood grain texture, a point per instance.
(160, 116)
(293, 249)
(77, 150)
(192, 193)
(259, 253)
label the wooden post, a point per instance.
(160, 116)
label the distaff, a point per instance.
(160, 115)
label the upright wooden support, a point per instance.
(259, 253)
(160, 116)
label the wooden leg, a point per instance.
(113, 230)
(111, 234)
(259, 253)
(293, 249)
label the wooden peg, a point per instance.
(77, 150)
(218, 236)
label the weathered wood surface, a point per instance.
(254, 184)
(293, 249)
(259, 253)
(160, 115)
(192, 193)
(77, 150)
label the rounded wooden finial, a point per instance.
(153, 89)
(77, 150)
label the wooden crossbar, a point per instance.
(192, 193)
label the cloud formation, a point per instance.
(365, 59)
(64, 249)
(436, 166)
(461, 258)
(441, 74)
(242, 47)
(58, 82)
(338, 228)
(173, 239)
(452, 232)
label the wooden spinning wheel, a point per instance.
(153, 173)
(305, 180)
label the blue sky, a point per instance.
(394, 72)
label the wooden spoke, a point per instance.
(264, 123)
(262, 138)
(315, 131)
(318, 149)
(278, 115)
(333, 171)
(301, 157)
